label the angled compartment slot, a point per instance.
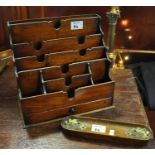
(52, 28)
(54, 85)
(94, 92)
(100, 70)
(53, 46)
(44, 102)
(67, 83)
(53, 72)
(57, 71)
(71, 43)
(77, 69)
(30, 62)
(67, 57)
(80, 81)
(30, 83)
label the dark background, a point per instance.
(141, 22)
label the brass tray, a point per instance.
(107, 130)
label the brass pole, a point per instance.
(113, 16)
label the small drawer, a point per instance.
(62, 112)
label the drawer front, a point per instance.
(62, 112)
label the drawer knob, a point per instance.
(72, 111)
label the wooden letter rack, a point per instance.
(61, 67)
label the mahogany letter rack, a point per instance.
(61, 67)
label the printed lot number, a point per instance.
(98, 128)
(76, 25)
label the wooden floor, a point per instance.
(128, 108)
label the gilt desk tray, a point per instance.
(107, 130)
(61, 67)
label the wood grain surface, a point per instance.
(51, 28)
